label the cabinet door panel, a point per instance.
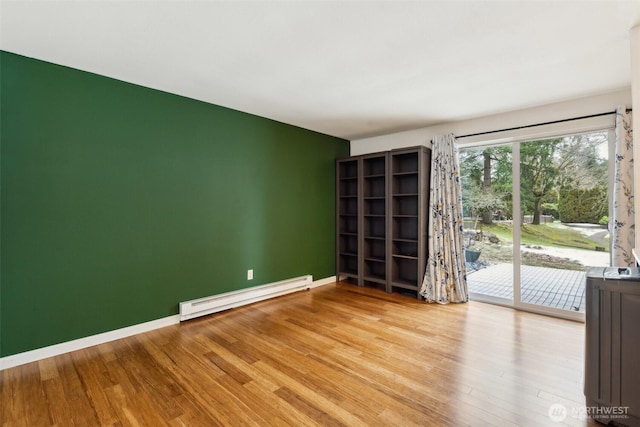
(630, 353)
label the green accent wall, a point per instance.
(119, 201)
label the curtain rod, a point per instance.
(540, 124)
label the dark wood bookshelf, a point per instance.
(382, 218)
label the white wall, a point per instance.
(635, 85)
(558, 111)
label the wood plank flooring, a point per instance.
(334, 355)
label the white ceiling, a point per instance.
(350, 69)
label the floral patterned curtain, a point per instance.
(623, 233)
(445, 279)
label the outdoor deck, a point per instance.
(550, 287)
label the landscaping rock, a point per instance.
(493, 238)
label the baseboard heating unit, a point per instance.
(213, 304)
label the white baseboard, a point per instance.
(322, 282)
(80, 343)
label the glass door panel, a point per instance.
(563, 186)
(487, 201)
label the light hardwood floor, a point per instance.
(334, 355)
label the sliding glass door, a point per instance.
(536, 216)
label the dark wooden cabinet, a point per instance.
(382, 218)
(375, 196)
(612, 344)
(410, 172)
(348, 218)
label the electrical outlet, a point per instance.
(249, 274)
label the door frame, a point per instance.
(517, 223)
